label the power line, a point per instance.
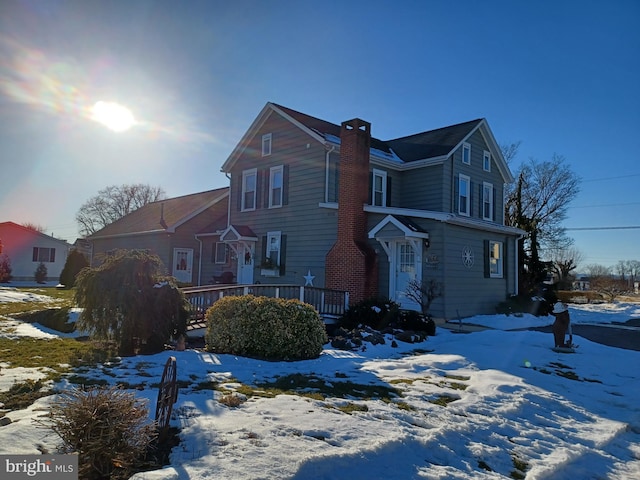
(628, 227)
(611, 178)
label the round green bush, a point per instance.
(263, 327)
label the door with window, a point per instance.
(405, 269)
(245, 262)
(183, 265)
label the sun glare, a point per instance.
(113, 116)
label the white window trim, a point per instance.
(271, 235)
(466, 146)
(266, 144)
(382, 174)
(245, 174)
(486, 161)
(499, 263)
(464, 178)
(272, 172)
(486, 200)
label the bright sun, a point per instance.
(113, 116)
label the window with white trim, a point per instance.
(379, 188)
(44, 254)
(266, 144)
(275, 186)
(273, 248)
(220, 253)
(486, 161)
(464, 195)
(487, 201)
(495, 260)
(249, 182)
(466, 153)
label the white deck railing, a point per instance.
(330, 304)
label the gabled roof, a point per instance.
(163, 215)
(17, 226)
(433, 145)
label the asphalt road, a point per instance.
(622, 336)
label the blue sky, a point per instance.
(560, 76)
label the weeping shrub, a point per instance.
(130, 301)
(262, 327)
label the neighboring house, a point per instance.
(27, 248)
(182, 231)
(581, 283)
(315, 203)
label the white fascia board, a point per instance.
(311, 133)
(409, 212)
(399, 225)
(496, 152)
(487, 226)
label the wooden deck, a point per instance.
(330, 304)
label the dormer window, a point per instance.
(486, 161)
(466, 153)
(266, 145)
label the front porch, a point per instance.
(330, 304)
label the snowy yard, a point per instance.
(491, 404)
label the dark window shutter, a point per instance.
(239, 190)
(285, 185)
(283, 253)
(493, 214)
(487, 267)
(262, 189)
(371, 188)
(388, 191)
(35, 254)
(456, 194)
(471, 184)
(505, 270)
(264, 249)
(53, 255)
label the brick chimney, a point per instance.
(351, 263)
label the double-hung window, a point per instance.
(379, 188)
(249, 183)
(44, 255)
(275, 186)
(273, 248)
(486, 161)
(466, 153)
(266, 145)
(496, 260)
(464, 195)
(220, 253)
(487, 201)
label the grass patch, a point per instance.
(310, 384)
(21, 395)
(87, 381)
(351, 407)
(484, 466)
(443, 400)
(520, 468)
(59, 299)
(569, 375)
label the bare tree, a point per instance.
(424, 293)
(35, 227)
(596, 270)
(564, 262)
(114, 202)
(537, 203)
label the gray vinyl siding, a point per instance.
(477, 176)
(422, 189)
(460, 280)
(309, 229)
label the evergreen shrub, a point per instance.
(41, 273)
(5, 268)
(76, 261)
(377, 312)
(263, 327)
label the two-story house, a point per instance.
(316, 203)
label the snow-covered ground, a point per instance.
(518, 409)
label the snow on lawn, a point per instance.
(507, 405)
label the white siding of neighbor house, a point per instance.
(18, 243)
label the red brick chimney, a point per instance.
(351, 263)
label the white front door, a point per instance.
(183, 265)
(245, 263)
(405, 268)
